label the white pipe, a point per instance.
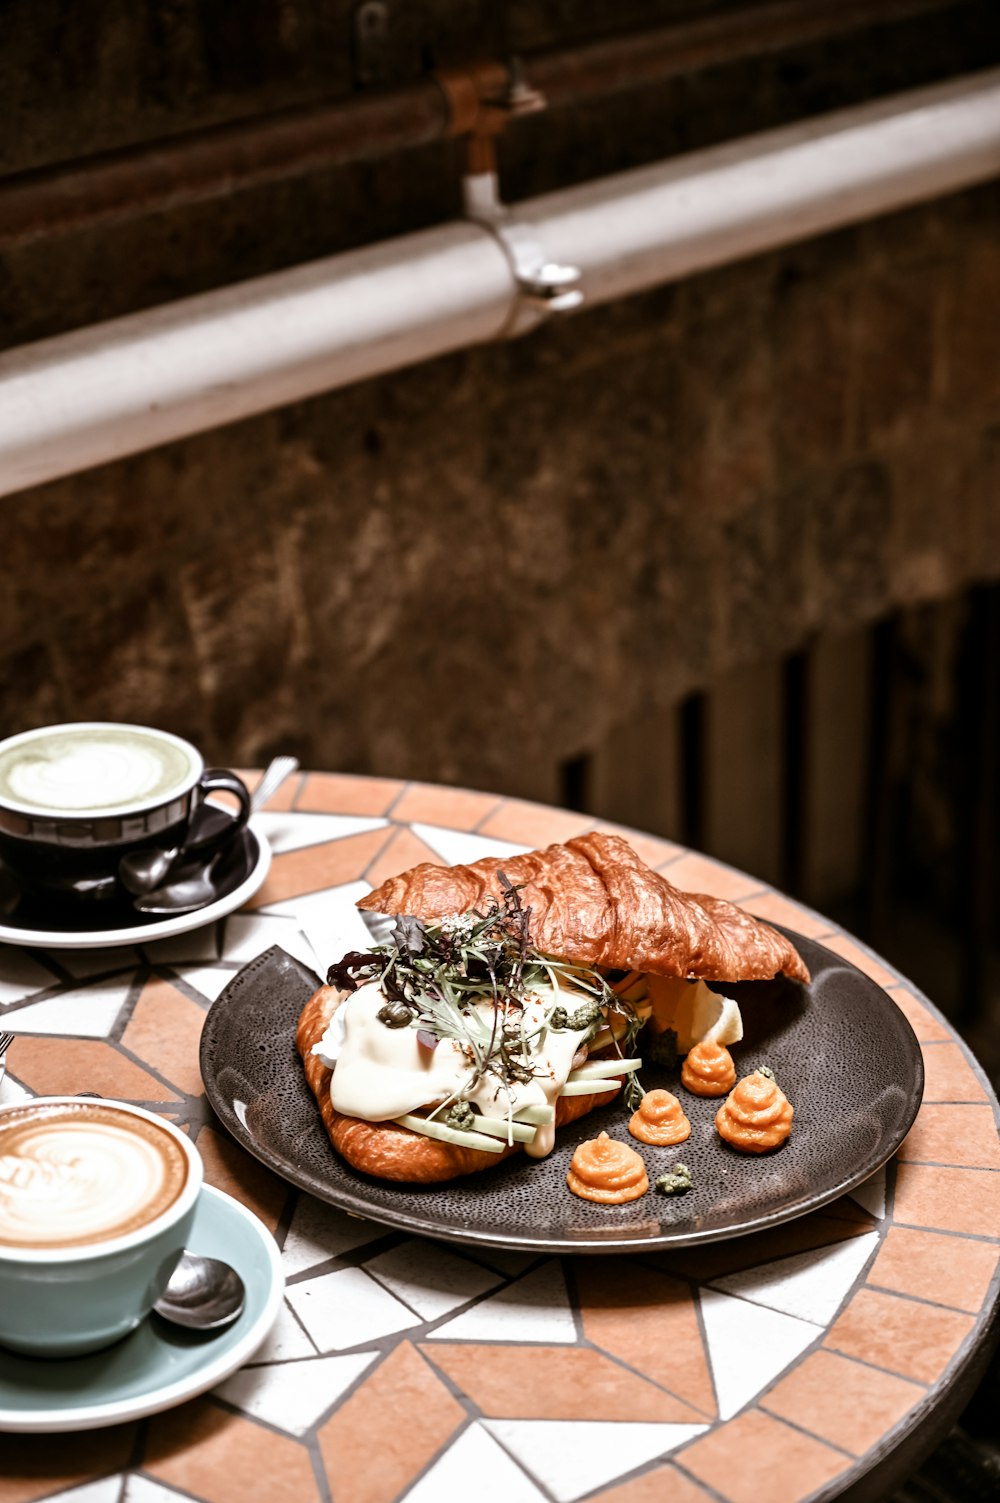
(116, 388)
(656, 224)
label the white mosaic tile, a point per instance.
(749, 1346)
(100, 962)
(330, 921)
(90, 1012)
(140, 1489)
(285, 1342)
(457, 847)
(871, 1195)
(209, 981)
(197, 945)
(106, 1490)
(250, 934)
(346, 1308)
(293, 1395)
(474, 1467)
(22, 976)
(506, 1260)
(289, 831)
(429, 1279)
(571, 1457)
(319, 1232)
(12, 1090)
(810, 1285)
(535, 1308)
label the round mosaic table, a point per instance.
(812, 1361)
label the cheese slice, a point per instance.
(694, 1012)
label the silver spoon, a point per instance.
(204, 1294)
(143, 871)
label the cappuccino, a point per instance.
(94, 768)
(75, 1173)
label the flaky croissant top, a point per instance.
(594, 902)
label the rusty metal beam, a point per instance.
(225, 159)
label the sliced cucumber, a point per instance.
(617, 1027)
(431, 1129)
(600, 1069)
(497, 1127)
(541, 1115)
(588, 1087)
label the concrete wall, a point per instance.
(477, 569)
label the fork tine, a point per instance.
(6, 1039)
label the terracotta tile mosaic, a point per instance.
(948, 1076)
(555, 1383)
(923, 1022)
(403, 851)
(284, 798)
(388, 1430)
(964, 1134)
(934, 1266)
(650, 1321)
(801, 1235)
(218, 1457)
(339, 793)
(664, 1484)
(649, 848)
(49, 1069)
(694, 873)
(844, 1402)
(456, 808)
(775, 909)
(860, 957)
(33, 1466)
(164, 1031)
(231, 1169)
(916, 1341)
(755, 1456)
(316, 867)
(951, 1200)
(534, 825)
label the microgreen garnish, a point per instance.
(433, 975)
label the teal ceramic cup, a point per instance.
(97, 1200)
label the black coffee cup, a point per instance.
(76, 798)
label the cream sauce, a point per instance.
(380, 1073)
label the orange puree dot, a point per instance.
(660, 1120)
(756, 1116)
(608, 1171)
(708, 1070)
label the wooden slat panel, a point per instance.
(634, 777)
(836, 740)
(743, 769)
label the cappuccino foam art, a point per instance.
(73, 1174)
(94, 768)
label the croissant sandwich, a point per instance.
(508, 1001)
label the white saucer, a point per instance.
(158, 1365)
(153, 928)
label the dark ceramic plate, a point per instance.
(841, 1049)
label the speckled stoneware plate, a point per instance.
(842, 1051)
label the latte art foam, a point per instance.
(90, 768)
(75, 1174)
